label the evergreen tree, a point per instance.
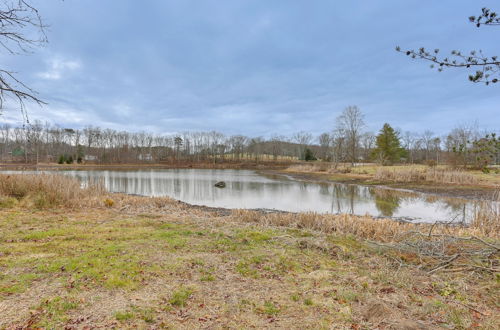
(388, 147)
(308, 155)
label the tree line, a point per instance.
(348, 142)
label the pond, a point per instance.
(251, 190)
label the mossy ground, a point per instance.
(107, 268)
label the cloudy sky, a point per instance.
(254, 67)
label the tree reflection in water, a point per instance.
(248, 189)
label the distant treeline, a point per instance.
(42, 143)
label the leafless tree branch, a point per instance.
(21, 30)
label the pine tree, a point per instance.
(388, 147)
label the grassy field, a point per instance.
(142, 263)
(73, 257)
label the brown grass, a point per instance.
(416, 174)
(47, 190)
(104, 268)
(365, 227)
(487, 217)
(319, 167)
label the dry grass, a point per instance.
(138, 262)
(47, 190)
(401, 173)
(320, 167)
(487, 217)
(365, 227)
(418, 174)
(185, 268)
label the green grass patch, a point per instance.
(249, 267)
(124, 316)
(269, 308)
(180, 296)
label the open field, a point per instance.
(135, 262)
(440, 180)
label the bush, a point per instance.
(61, 159)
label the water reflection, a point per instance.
(387, 201)
(248, 189)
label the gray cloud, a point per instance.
(253, 67)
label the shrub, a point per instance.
(109, 202)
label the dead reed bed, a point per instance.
(365, 227)
(487, 216)
(416, 174)
(319, 167)
(48, 190)
(309, 168)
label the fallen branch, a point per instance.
(444, 264)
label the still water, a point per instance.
(251, 190)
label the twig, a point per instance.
(486, 243)
(493, 270)
(444, 264)
(470, 307)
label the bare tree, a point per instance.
(367, 143)
(303, 139)
(409, 139)
(351, 122)
(325, 142)
(19, 24)
(459, 142)
(427, 142)
(338, 141)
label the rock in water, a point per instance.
(220, 184)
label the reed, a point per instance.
(366, 227)
(487, 216)
(416, 174)
(48, 190)
(319, 167)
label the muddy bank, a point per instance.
(445, 190)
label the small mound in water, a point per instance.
(220, 184)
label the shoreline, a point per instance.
(469, 192)
(224, 211)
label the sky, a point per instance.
(254, 67)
